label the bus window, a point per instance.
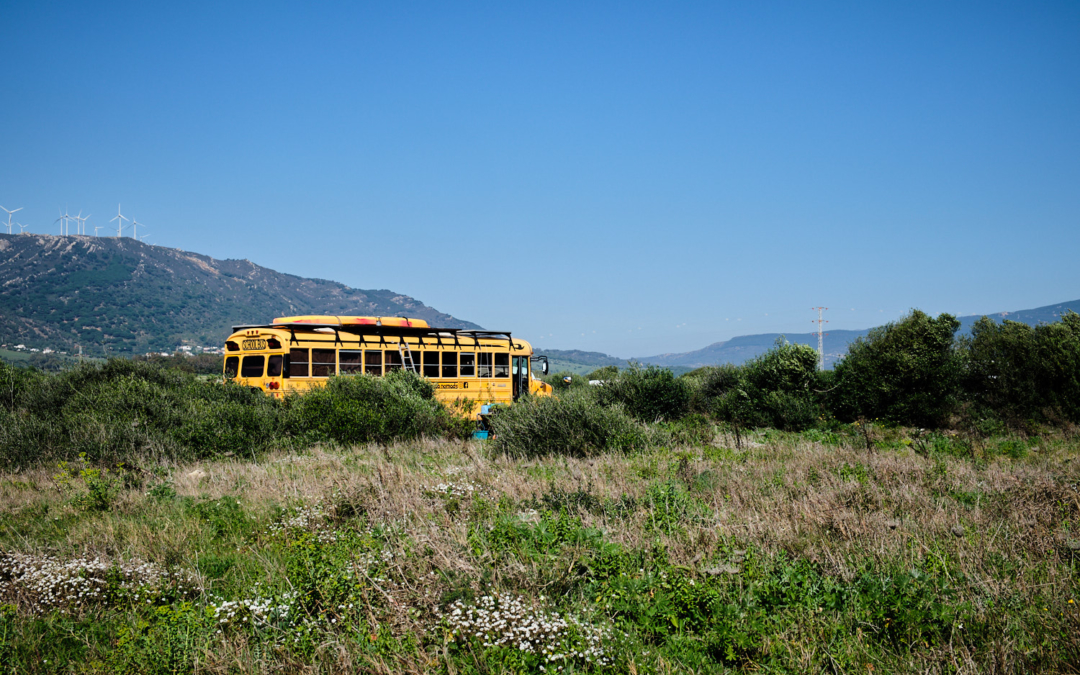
(502, 365)
(323, 362)
(468, 364)
(393, 360)
(484, 363)
(273, 365)
(373, 362)
(298, 363)
(252, 366)
(231, 365)
(449, 364)
(431, 364)
(350, 362)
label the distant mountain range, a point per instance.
(122, 296)
(739, 350)
(118, 295)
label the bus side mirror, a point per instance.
(544, 367)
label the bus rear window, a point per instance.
(431, 364)
(323, 362)
(252, 366)
(350, 361)
(231, 365)
(298, 363)
(502, 365)
(273, 365)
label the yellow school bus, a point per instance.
(292, 354)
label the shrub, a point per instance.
(999, 378)
(124, 411)
(649, 394)
(788, 368)
(777, 389)
(1017, 373)
(905, 372)
(573, 424)
(362, 408)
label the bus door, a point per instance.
(521, 376)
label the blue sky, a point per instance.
(633, 178)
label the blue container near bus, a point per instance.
(482, 435)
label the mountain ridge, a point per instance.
(118, 295)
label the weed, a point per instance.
(670, 506)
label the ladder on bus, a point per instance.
(407, 357)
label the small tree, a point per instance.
(999, 376)
(905, 372)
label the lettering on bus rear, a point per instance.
(253, 345)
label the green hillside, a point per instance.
(117, 296)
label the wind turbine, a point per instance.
(63, 220)
(9, 217)
(82, 222)
(135, 224)
(96, 228)
(22, 227)
(119, 221)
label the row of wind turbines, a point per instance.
(80, 223)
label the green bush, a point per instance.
(573, 424)
(649, 394)
(787, 367)
(126, 411)
(778, 389)
(362, 409)
(905, 372)
(1017, 373)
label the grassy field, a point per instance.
(841, 552)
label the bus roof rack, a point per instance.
(385, 330)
